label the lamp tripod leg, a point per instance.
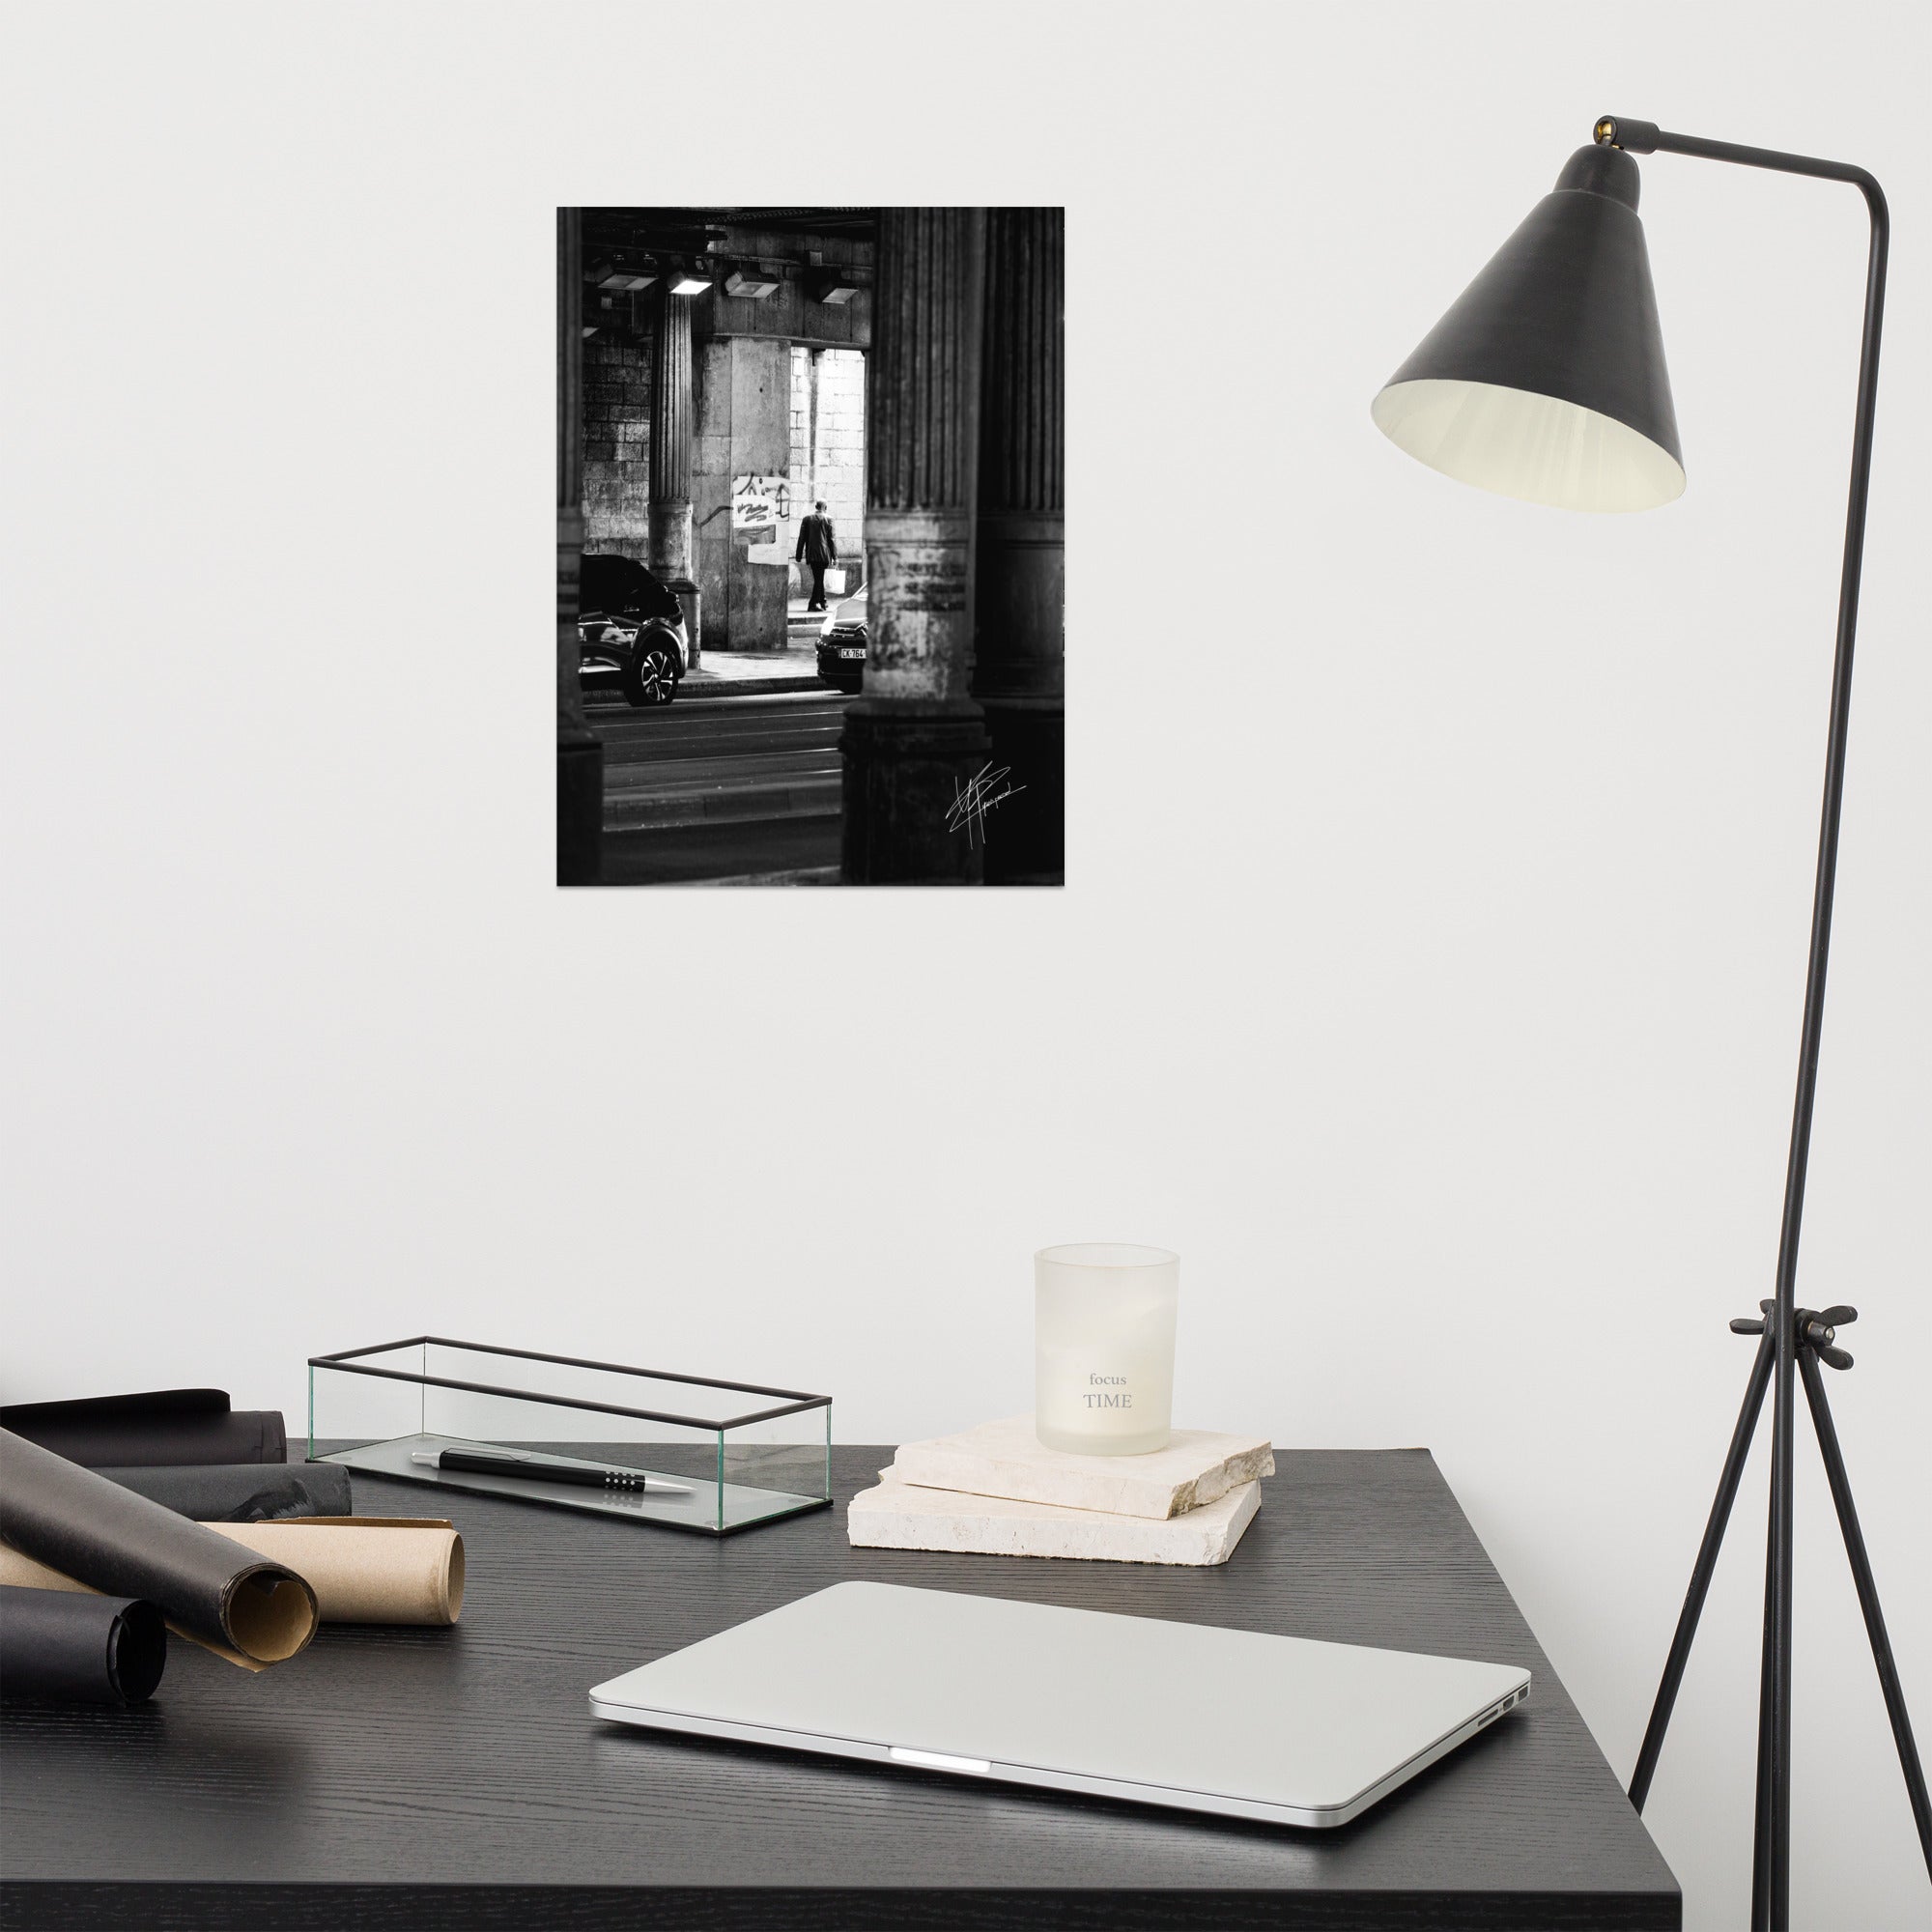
(1780, 1568)
(1867, 1588)
(1762, 1827)
(1807, 1335)
(1701, 1573)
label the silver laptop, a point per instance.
(1279, 1728)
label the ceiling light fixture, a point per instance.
(615, 275)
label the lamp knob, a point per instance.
(1633, 138)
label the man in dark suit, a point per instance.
(817, 546)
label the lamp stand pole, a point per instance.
(1795, 1339)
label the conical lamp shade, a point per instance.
(1545, 381)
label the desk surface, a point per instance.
(453, 1777)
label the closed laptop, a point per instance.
(1238, 1722)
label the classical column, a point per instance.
(671, 556)
(915, 741)
(579, 757)
(1020, 569)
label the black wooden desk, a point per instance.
(431, 1779)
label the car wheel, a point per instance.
(652, 676)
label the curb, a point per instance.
(749, 686)
(696, 688)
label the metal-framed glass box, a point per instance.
(685, 1452)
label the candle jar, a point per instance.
(1103, 1346)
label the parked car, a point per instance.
(842, 644)
(630, 632)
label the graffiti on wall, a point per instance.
(759, 505)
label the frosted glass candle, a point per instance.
(1103, 1346)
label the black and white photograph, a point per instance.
(1338, 1343)
(810, 577)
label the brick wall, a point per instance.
(617, 442)
(835, 467)
(800, 425)
(838, 468)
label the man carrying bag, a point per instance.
(817, 546)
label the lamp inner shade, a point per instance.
(1519, 443)
(1545, 379)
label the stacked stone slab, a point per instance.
(996, 1491)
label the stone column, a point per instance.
(915, 740)
(1020, 568)
(671, 557)
(579, 757)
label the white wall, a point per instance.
(1430, 970)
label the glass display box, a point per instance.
(683, 1452)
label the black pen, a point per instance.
(530, 1469)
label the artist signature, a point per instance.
(977, 796)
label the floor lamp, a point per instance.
(1545, 381)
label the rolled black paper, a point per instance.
(80, 1649)
(208, 1587)
(163, 1426)
(242, 1491)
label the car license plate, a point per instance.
(851, 650)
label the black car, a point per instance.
(630, 632)
(842, 644)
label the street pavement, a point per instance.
(745, 852)
(710, 759)
(739, 779)
(720, 787)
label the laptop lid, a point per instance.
(1232, 1722)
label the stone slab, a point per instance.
(1007, 1459)
(903, 1516)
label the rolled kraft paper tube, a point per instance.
(241, 1492)
(80, 1649)
(104, 1537)
(161, 1426)
(367, 1570)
